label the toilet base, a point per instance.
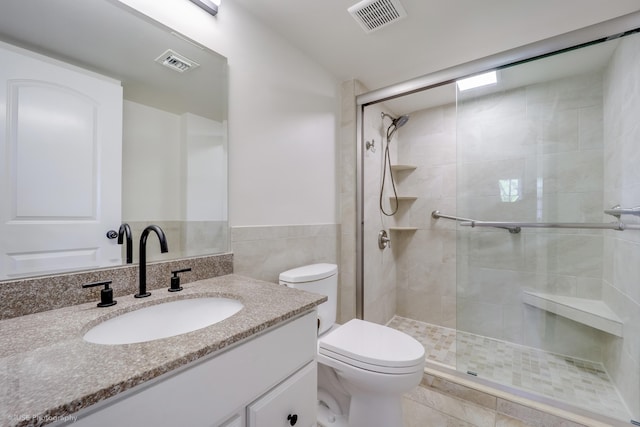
(374, 399)
(387, 412)
(326, 418)
(368, 410)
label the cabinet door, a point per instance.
(292, 403)
(235, 421)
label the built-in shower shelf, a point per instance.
(402, 168)
(590, 312)
(404, 198)
(403, 228)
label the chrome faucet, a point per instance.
(125, 231)
(143, 257)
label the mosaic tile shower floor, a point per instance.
(574, 381)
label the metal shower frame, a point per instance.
(593, 34)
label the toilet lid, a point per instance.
(372, 346)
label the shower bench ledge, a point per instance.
(403, 228)
(402, 168)
(591, 312)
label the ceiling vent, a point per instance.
(375, 14)
(176, 61)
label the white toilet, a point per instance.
(363, 368)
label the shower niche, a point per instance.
(400, 171)
(551, 310)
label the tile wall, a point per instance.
(347, 167)
(185, 239)
(427, 258)
(263, 252)
(546, 140)
(380, 297)
(508, 135)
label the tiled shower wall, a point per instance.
(546, 139)
(621, 289)
(492, 145)
(509, 135)
(427, 258)
(380, 266)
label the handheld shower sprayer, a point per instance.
(396, 123)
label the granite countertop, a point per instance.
(47, 371)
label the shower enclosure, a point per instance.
(514, 254)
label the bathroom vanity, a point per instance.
(255, 368)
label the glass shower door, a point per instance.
(538, 306)
(550, 305)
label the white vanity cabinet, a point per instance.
(288, 404)
(269, 380)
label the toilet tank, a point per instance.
(320, 279)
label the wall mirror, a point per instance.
(61, 192)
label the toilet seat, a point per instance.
(372, 347)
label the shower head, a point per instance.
(396, 123)
(401, 121)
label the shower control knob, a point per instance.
(293, 419)
(383, 239)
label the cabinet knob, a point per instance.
(293, 419)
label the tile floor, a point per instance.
(578, 382)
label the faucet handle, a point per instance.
(175, 280)
(106, 294)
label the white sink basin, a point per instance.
(163, 320)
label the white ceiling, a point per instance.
(437, 34)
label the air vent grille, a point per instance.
(176, 61)
(375, 14)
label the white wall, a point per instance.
(205, 171)
(150, 164)
(283, 116)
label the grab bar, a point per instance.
(618, 226)
(436, 214)
(617, 211)
(515, 227)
